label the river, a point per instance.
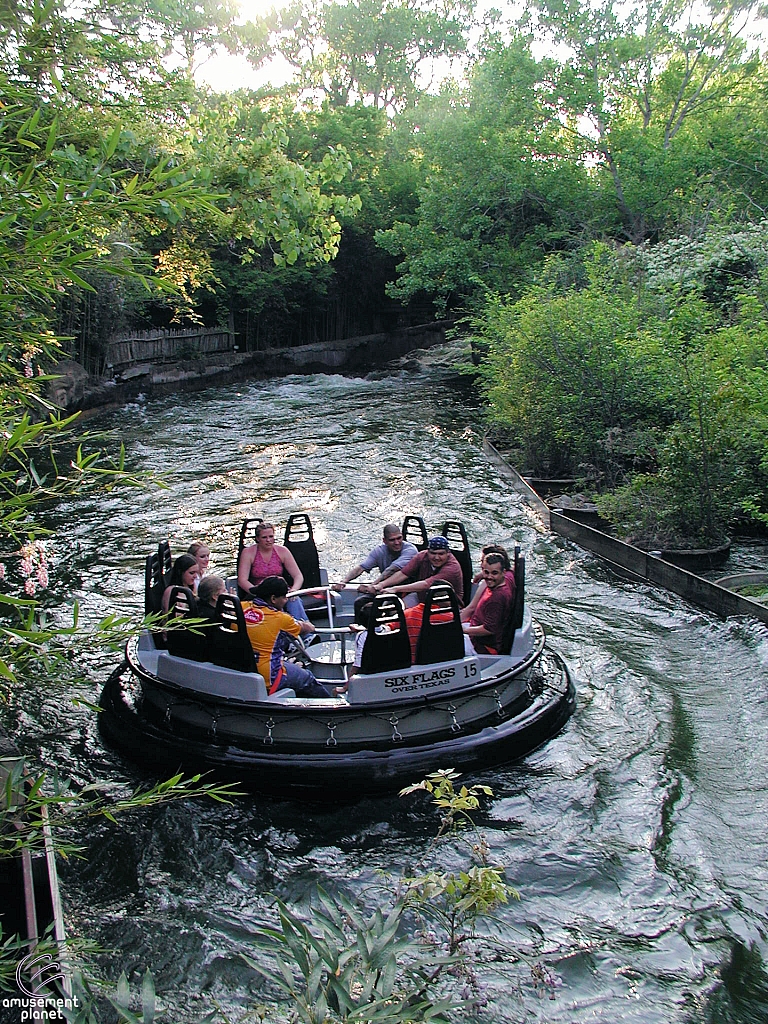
(636, 838)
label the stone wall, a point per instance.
(73, 390)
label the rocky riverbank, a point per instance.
(75, 390)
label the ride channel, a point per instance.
(636, 837)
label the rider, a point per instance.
(484, 623)
(425, 568)
(388, 557)
(270, 629)
(265, 558)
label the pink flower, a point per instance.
(2, 570)
(42, 575)
(29, 587)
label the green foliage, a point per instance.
(651, 124)
(566, 373)
(351, 967)
(500, 189)
(30, 806)
(338, 963)
(656, 390)
(637, 89)
(455, 805)
(370, 50)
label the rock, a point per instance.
(68, 388)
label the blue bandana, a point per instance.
(438, 544)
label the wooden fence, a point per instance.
(161, 346)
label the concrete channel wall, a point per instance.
(655, 570)
(628, 558)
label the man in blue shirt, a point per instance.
(388, 558)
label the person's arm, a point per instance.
(244, 564)
(403, 575)
(407, 588)
(377, 587)
(295, 627)
(478, 630)
(289, 563)
(351, 575)
(370, 562)
(466, 613)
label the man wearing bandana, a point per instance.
(434, 565)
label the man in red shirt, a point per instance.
(428, 567)
(485, 625)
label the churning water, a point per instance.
(636, 838)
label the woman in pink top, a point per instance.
(265, 558)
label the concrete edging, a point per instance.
(625, 556)
(655, 570)
(519, 483)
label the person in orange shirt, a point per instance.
(270, 629)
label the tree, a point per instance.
(371, 50)
(637, 88)
(502, 187)
(566, 375)
(195, 31)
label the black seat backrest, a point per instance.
(440, 641)
(387, 646)
(456, 535)
(415, 532)
(247, 537)
(515, 617)
(519, 570)
(166, 561)
(227, 642)
(300, 541)
(184, 643)
(154, 584)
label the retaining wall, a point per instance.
(630, 559)
(655, 570)
(73, 390)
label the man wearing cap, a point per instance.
(394, 554)
(434, 565)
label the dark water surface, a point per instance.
(637, 838)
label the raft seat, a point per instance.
(154, 584)
(166, 560)
(456, 535)
(181, 642)
(516, 615)
(228, 644)
(300, 540)
(415, 532)
(386, 646)
(215, 680)
(441, 637)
